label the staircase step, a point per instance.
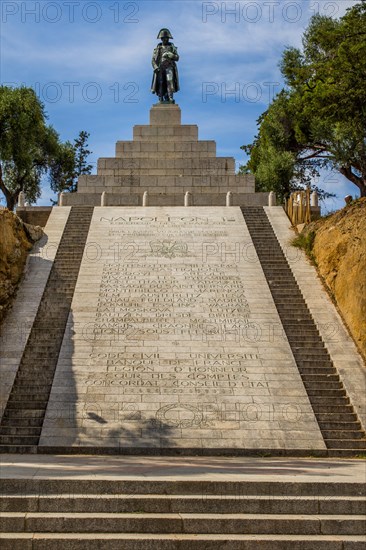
(23, 394)
(340, 417)
(326, 397)
(23, 413)
(151, 541)
(22, 422)
(159, 503)
(322, 380)
(308, 339)
(18, 449)
(15, 403)
(312, 353)
(342, 426)
(335, 409)
(187, 523)
(346, 453)
(18, 440)
(18, 430)
(342, 434)
(347, 443)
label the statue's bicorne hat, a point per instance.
(164, 33)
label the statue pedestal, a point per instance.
(165, 114)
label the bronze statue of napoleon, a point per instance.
(165, 81)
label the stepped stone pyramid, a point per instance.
(167, 160)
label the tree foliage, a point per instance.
(70, 163)
(27, 144)
(31, 149)
(319, 119)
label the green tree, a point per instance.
(27, 144)
(70, 163)
(81, 155)
(62, 168)
(319, 119)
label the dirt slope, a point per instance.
(339, 249)
(16, 239)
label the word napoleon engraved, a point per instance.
(165, 80)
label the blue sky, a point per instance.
(90, 63)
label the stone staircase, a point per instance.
(188, 514)
(21, 424)
(337, 419)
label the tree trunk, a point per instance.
(363, 188)
(360, 182)
(11, 198)
(7, 194)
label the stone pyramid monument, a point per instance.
(166, 160)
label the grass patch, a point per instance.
(305, 241)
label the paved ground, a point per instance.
(176, 468)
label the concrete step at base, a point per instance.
(210, 504)
(346, 453)
(18, 449)
(151, 541)
(19, 440)
(188, 487)
(346, 443)
(62, 522)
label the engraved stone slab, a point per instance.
(174, 341)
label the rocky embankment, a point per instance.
(339, 250)
(16, 239)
